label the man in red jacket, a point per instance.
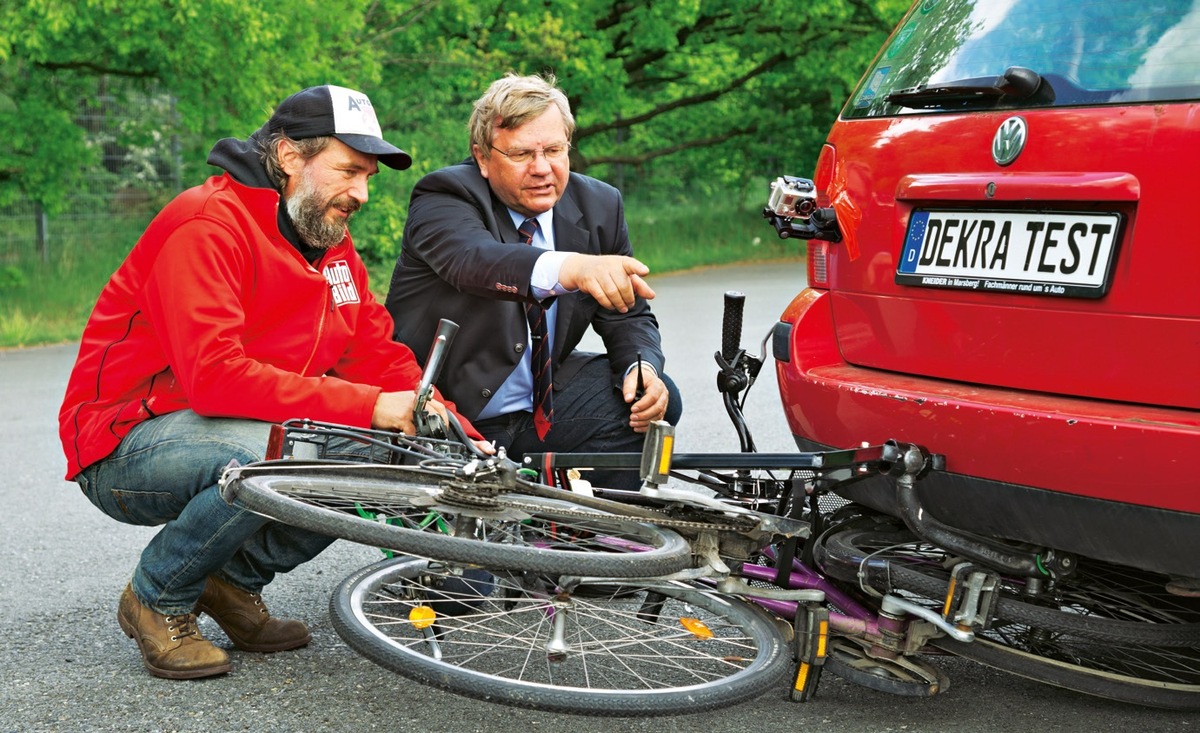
(244, 303)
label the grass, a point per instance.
(48, 302)
(676, 237)
(43, 302)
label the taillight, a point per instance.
(818, 251)
(818, 264)
(275, 440)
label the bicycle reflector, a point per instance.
(422, 617)
(696, 627)
(656, 452)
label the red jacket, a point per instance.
(214, 310)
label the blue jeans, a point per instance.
(590, 416)
(165, 472)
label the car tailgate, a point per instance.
(1137, 341)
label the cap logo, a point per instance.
(353, 113)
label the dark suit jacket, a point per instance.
(461, 259)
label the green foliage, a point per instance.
(48, 302)
(671, 99)
(221, 60)
(703, 232)
(674, 100)
(17, 329)
(12, 278)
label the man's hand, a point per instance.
(394, 411)
(613, 280)
(653, 404)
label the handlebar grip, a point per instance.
(731, 324)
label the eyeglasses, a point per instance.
(521, 157)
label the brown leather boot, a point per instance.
(245, 619)
(172, 646)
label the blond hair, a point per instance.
(512, 101)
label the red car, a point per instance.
(1016, 281)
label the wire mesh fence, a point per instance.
(138, 167)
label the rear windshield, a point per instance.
(957, 54)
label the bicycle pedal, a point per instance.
(810, 646)
(971, 597)
(657, 449)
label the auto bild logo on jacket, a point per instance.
(341, 283)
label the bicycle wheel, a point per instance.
(410, 510)
(1100, 600)
(1106, 630)
(601, 649)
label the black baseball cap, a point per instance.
(343, 113)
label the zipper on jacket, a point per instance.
(326, 309)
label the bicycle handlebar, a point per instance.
(430, 424)
(731, 325)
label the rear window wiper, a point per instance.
(1017, 83)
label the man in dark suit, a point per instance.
(510, 240)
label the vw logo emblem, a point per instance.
(1009, 140)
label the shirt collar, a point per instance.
(545, 222)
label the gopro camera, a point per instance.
(792, 197)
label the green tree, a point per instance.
(693, 97)
(673, 99)
(224, 63)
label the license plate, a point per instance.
(1028, 253)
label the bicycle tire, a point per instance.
(1173, 622)
(1084, 678)
(1062, 646)
(552, 536)
(612, 662)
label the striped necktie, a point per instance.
(539, 356)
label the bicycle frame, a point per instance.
(797, 592)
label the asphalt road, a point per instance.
(66, 666)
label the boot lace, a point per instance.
(181, 626)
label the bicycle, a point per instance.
(549, 588)
(590, 554)
(568, 597)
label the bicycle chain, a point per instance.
(469, 495)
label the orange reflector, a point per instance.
(950, 589)
(822, 637)
(664, 460)
(422, 617)
(696, 627)
(802, 676)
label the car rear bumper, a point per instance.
(1025, 465)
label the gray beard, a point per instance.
(307, 211)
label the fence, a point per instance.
(139, 163)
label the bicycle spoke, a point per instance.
(594, 648)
